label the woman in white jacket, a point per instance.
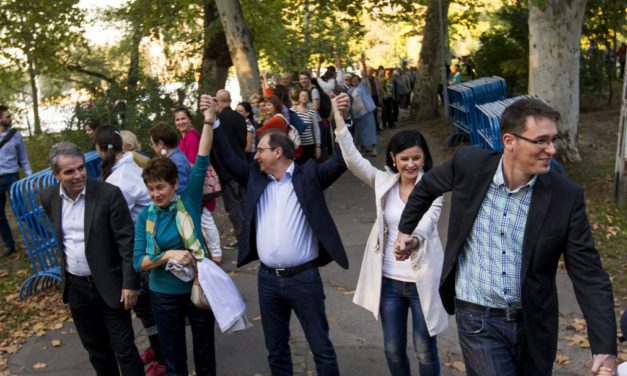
(389, 287)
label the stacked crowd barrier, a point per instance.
(40, 240)
(464, 97)
(488, 133)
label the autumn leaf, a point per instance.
(459, 366)
(55, 343)
(577, 325)
(40, 365)
(578, 340)
(562, 359)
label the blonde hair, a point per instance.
(129, 138)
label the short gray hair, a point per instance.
(64, 148)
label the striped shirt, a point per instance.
(310, 118)
(489, 268)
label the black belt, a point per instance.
(288, 272)
(509, 314)
(74, 277)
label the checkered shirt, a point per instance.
(488, 271)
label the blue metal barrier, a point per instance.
(40, 240)
(488, 126)
(464, 97)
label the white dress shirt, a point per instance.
(73, 231)
(284, 237)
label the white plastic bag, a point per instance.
(226, 302)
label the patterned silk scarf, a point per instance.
(185, 227)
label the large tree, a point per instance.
(242, 51)
(35, 35)
(430, 62)
(554, 51)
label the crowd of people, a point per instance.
(124, 237)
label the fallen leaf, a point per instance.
(459, 366)
(40, 365)
(256, 318)
(331, 319)
(9, 349)
(562, 359)
(350, 292)
(55, 342)
(578, 340)
(578, 325)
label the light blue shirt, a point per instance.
(13, 155)
(284, 237)
(489, 267)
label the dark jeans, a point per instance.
(5, 184)
(397, 298)
(234, 195)
(304, 294)
(491, 345)
(106, 333)
(170, 311)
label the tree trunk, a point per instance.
(241, 48)
(32, 73)
(216, 59)
(554, 52)
(430, 61)
(130, 111)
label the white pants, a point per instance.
(210, 230)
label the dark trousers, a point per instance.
(491, 345)
(106, 333)
(304, 294)
(233, 195)
(170, 311)
(5, 184)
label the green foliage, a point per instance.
(604, 20)
(504, 49)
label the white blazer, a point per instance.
(427, 261)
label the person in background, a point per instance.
(164, 142)
(363, 113)
(189, 146)
(310, 137)
(246, 110)
(12, 155)
(304, 79)
(455, 77)
(119, 169)
(90, 128)
(130, 143)
(232, 192)
(254, 103)
(169, 230)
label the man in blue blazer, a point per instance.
(511, 221)
(288, 227)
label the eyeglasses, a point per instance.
(260, 149)
(541, 143)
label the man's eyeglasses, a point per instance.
(541, 143)
(260, 150)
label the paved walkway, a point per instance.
(355, 333)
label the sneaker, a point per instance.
(156, 369)
(147, 356)
(373, 153)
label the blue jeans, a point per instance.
(304, 294)
(169, 311)
(397, 298)
(5, 184)
(490, 345)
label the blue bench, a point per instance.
(40, 240)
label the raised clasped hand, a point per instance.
(209, 107)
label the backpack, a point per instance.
(297, 122)
(324, 109)
(292, 132)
